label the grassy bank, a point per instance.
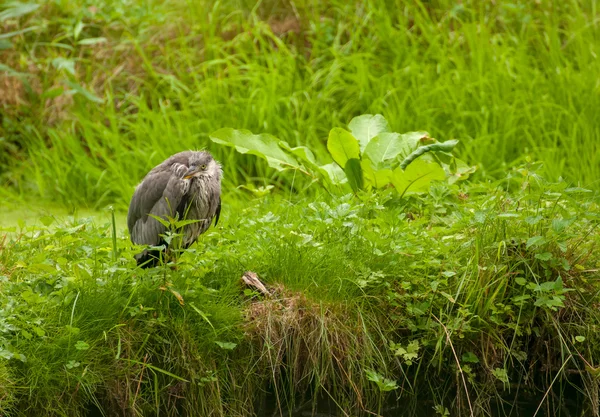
(373, 299)
(94, 94)
(467, 299)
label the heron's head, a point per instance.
(202, 164)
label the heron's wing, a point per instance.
(159, 194)
(218, 212)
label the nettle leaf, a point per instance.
(559, 225)
(535, 241)
(366, 127)
(264, 146)
(342, 146)
(417, 177)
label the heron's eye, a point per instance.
(203, 167)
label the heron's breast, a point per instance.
(202, 206)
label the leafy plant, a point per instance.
(409, 354)
(369, 156)
(384, 384)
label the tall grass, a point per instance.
(465, 299)
(507, 78)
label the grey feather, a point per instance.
(165, 192)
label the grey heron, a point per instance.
(186, 185)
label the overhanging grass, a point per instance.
(507, 79)
(369, 294)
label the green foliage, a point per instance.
(409, 353)
(383, 384)
(342, 146)
(374, 159)
(373, 292)
(96, 94)
(496, 282)
(264, 146)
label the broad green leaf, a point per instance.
(412, 140)
(264, 146)
(384, 147)
(342, 146)
(335, 174)
(442, 146)
(366, 127)
(417, 177)
(375, 178)
(301, 152)
(354, 174)
(14, 9)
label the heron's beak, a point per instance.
(190, 173)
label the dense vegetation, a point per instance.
(94, 92)
(455, 296)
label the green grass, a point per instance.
(508, 79)
(476, 296)
(370, 294)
